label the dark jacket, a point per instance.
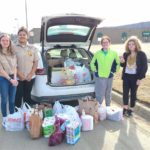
(141, 62)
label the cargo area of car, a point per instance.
(68, 66)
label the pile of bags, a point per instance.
(74, 73)
(60, 122)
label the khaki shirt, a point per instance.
(26, 56)
(8, 63)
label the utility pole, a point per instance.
(26, 12)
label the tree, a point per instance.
(124, 36)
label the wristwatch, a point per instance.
(10, 79)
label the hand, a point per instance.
(138, 82)
(122, 60)
(29, 77)
(14, 82)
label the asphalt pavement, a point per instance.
(128, 134)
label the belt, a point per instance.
(11, 75)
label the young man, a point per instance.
(27, 62)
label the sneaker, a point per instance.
(125, 112)
(129, 112)
(3, 121)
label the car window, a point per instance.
(67, 53)
(68, 29)
(54, 53)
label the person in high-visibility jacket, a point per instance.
(104, 63)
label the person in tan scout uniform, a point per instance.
(27, 60)
(8, 82)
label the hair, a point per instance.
(23, 29)
(105, 37)
(10, 48)
(136, 41)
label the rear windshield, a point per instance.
(68, 29)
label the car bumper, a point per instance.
(61, 97)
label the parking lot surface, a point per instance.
(128, 134)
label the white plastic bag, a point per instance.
(114, 114)
(27, 112)
(102, 111)
(71, 112)
(15, 121)
(57, 108)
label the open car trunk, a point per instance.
(68, 66)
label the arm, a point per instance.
(34, 67)
(32, 72)
(92, 64)
(117, 62)
(123, 60)
(144, 66)
(4, 73)
(20, 75)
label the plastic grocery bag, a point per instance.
(48, 126)
(114, 114)
(58, 136)
(73, 115)
(27, 111)
(86, 74)
(15, 121)
(69, 63)
(73, 133)
(57, 108)
(102, 111)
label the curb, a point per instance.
(140, 109)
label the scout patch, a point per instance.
(29, 53)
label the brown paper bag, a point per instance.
(35, 126)
(90, 106)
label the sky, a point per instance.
(114, 12)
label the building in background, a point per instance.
(34, 35)
(118, 34)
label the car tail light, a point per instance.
(41, 71)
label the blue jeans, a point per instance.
(8, 92)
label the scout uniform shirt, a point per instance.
(8, 62)
(26, 56)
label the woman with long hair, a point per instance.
(134, 63)
(8, 82)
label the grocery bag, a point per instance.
(57, 108)
(73, 130)
(114, 114)
(90, 106)
(15, 121)
(27, 111)
(47, 112)
(48, 126)
(73, 115)
(35, 122)
(102, 111)
(58, 136)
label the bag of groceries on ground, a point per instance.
(46, 109)
(35, 122)
(15, 121)
(114, 114)
(58, 136)
(27, 112)
(90, 106)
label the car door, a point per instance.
(68, 30)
